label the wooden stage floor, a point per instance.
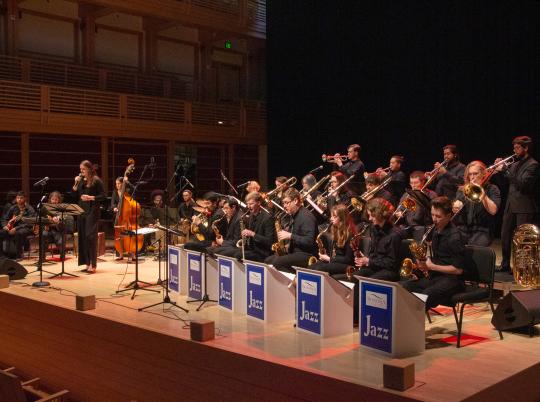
(116, 353)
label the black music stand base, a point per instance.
(41, 284)
(62, 273)
(205, 299)
(134, 285)
(166, 300)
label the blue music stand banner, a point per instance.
(375, 323)
(308, 301)
(194, 265)
(225, 283)
(174, 271)
(255, 290)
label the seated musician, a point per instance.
(13, 227)
(374, 180)
(300, 234)
(54, 230)
(228, 228)
(338, 255)
(156, 213)
(446, 266)
(259, 232)
(476, 219)
(278, 196)
(308, 181)
(337, 192)
(201, 224)
(381, 262)
(253, 187)
(10, 201)
(185, 210)
(413, 223)
(398, 181)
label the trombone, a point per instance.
(358, 204)
(475, 192)
(333, 158)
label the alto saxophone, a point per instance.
(320, 245)
(279, 247)
(355, 244)
(215, 228)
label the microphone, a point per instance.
(316, 169)
(243, 184)
(152, 162)
(222, 175)
(41, 182)
(188, 182)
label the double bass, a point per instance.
(126, 219)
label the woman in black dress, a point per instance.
(88, 188)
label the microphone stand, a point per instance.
(41, 283)
(134, 285)
(166, 297)
(229, 183)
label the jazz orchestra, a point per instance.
(348, 223)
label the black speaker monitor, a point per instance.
(518, 309)
(13, 269)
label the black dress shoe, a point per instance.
(503, 268)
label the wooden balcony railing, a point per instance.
(40, 108)
(108, 79)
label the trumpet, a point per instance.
(378, 171)
(332, 158)
(475, 192)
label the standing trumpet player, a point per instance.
(521, 206)
(353, 166)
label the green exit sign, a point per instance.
(228, 44)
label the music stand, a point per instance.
(166, 298)
(63, 210)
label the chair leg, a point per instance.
(460, 324)
(492, 314)
(428, 316)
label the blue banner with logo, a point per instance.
(225, 282)
(375, 323)
(308, 301)
(174, 271)
(194, 264)
(255, 290)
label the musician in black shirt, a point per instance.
(185, 210)
(204, 236)
(398, 181)
(476, 219)
(300, 234)
(54, 228)
(259, 234)
(521, 204)
(451, 176)
(446, 267)
(89, 190)
(229, 229)
(382, 259)
(338, 253)
(353, 166)
(13, 227)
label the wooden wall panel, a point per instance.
(246, 163)
(58, 157)
(10, 163)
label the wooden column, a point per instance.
(11, 18)
(25, 163)
(171, 151)
(150, 48)
(88, 34)
(230, 171)
(105, 162)
(263, 166)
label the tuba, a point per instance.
(526, 255)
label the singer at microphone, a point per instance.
(41, 182)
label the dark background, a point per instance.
(400, 77)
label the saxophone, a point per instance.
(215, 228)
(320, 244)
(355, 243)
(242, 242)
(279, 247)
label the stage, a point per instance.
(116, 353)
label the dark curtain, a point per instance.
(400, 77)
